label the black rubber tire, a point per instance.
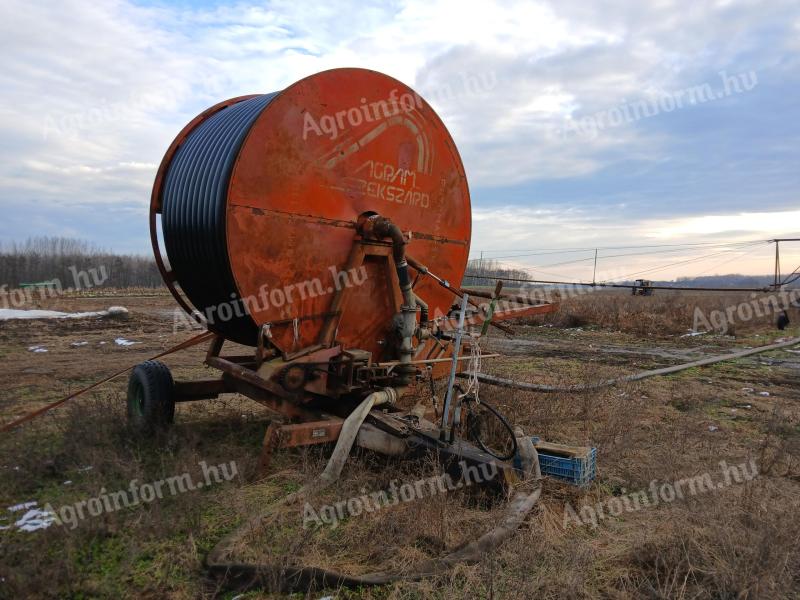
(151, 402)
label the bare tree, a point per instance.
(74, 263)
(486, 272)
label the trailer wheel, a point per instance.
(151, 404)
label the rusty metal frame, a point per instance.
(293, 435)
(362, 249)
(299, 425)
(308, 427)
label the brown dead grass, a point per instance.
(740, 542)
(663, 313)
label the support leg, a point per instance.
(271, 442)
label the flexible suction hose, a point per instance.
(243, 576)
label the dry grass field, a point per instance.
(737, 540)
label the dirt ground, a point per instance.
(740, 539)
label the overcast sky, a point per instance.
(581, 124)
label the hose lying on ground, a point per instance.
(586, 387)
(242, 576)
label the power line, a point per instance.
(626, 286)
(683, 262)
(546, 251)
(744, 252)
(736, 247)
(741, 248)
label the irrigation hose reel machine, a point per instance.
(315, 232)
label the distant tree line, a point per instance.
(74, 263)
(731, 280)
(487, 271)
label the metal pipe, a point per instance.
(491, 309)
(423, 311)
(586, 387)
(627, 286)
(431, 361)
(381, 227)
(454, 289)
(451, 380)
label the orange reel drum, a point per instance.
(319, 154)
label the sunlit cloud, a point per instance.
(93, 93)
(766, 225)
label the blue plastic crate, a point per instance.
(580, 471)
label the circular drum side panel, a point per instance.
(324, 151)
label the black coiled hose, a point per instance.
(194, 203)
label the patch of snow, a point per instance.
(23, 506)
(8, 314)
(693, 333)
(87, 468)
(67, 482)
(78, 344)
(37, 349)
(124, 342)
(765, 394)
(713, 428)
(747, 390)
(34, 520)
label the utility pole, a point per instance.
(594, 272)
(777, 281)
